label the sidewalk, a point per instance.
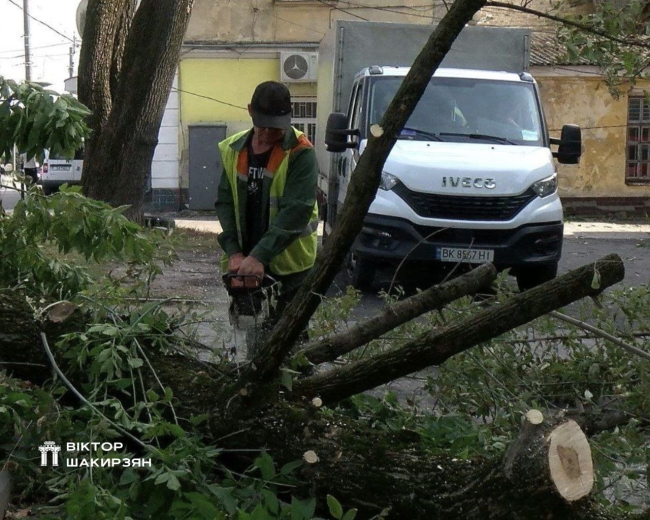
(609, 230)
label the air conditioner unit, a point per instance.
(298, 67)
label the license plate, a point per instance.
(60, 168)
(467, 256)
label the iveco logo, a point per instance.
(469, 182)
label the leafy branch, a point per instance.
(35, 119)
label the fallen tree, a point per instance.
(373, 470)
(548, 471)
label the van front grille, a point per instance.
(462, 207)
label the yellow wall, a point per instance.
(219, 90)
(587, 101)
(230, 84)
(229, 81)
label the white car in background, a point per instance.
(58, 170)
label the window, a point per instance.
(638, 140)
(356, 114)
(457, 109)
(304, 116)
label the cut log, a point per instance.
(551, 456)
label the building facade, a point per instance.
(232, 46)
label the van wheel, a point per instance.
(529, 277)
(361, 272)
(47, 191)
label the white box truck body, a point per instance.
(471, 178)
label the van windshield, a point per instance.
(78, 155)
(462, 109)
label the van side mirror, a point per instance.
(569, 145)
(337, 132)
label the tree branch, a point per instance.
(605, 335)
(436, 346)
(433, 298)
(565, 21)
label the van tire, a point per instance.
(48, 191)
(361, 272)
(532, 276)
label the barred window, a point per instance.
(304, 116)
(638, 140)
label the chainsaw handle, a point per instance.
(265, 281)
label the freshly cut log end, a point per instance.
(569, 461)
(535, 417)
(551, 459)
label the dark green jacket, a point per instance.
(296, 208)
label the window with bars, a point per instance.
(304, 116)
(638, 141)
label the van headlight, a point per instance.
(388, 181)
(546, 187)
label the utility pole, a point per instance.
(28, 57)
(72, 51)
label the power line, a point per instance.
(41, 22)
(40, 47)
(245, 108)
(19, 56)
(333, 7)
(388, 9)
(302, 26)
(208, 97)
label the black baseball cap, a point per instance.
(271, 105)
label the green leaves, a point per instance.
(67, 222)
(604, 43)
(35, 119)
(336, 509)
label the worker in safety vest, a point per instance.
(266, 201)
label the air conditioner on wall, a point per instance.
(298, 67)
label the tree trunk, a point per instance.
(546, 473)
(120, 161)
(105, 30)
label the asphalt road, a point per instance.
(8, 197)
(584, 242)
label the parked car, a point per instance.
(57, 170)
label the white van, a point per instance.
(471, 177)
(58, 170)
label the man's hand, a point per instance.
(253, 267)
(234, 262)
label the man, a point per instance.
(266, 200)
(31, 168)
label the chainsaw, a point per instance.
(248, 301)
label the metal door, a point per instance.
(205, 166)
